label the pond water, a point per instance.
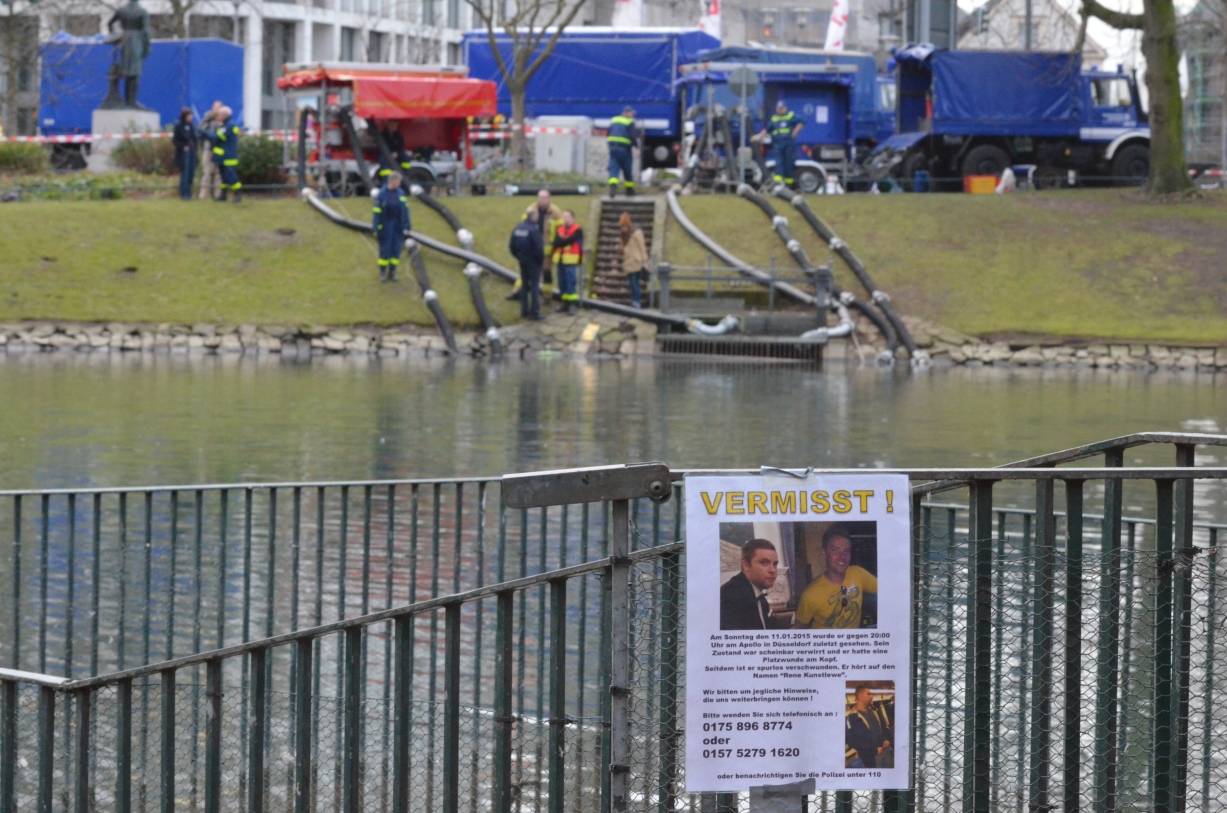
(72, 421)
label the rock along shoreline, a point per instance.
(585, 333)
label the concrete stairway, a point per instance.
(608, 282)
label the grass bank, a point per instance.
(264, 261)
(1083, 264)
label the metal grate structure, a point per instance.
(514, 644)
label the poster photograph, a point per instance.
(798, 624)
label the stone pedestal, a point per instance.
(117, 122)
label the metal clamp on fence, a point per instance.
(570, 486)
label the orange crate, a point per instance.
(980, 184)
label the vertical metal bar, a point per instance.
(948, 744)
(84, 800)
(977, 734)
(403, 631)
(389, 568)
(15, 589)
(259, 734)
(432, 682)
(504, 722)
(168, 742)
(123, 745)
(43, 571)
(46, 748)
(123, 580)
(223, 521)
(1182, 576)
(351, 769)
(366, 549)
(147, 590)
(666, 781)
(479, 625)
(302, 727)
(1164, 730)
(1026, 621)
(321, 496)
(71, 579)
(1107, 679)
(1207, 728)
(1041, 657)
(8, 745)
(245, 681)
(558, 693)
(1126, 713)
(451, 709)
(998, 653)
(174, 551)
(1072, 752)
(96, 581)
(296, 711)
(213, 736)
(271, 578)
(540, 738)
(605, 665)
(197, 636)
(619, 724)
(341, 766)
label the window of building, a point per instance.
(82, 25)
(349, 44)
(453, 13)
(376, 47)
(26, 120)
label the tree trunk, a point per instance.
(1168, 171)
(519, 150)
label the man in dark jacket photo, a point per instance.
(743, 598)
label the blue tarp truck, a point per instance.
(836, 94)
(594, 71)
(978, 112)
(177, 74)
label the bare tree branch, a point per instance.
(1116, 19)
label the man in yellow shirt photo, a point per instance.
(836, 599)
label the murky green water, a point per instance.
(73, 420)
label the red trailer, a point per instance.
(352, 117)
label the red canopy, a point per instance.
(392, 95)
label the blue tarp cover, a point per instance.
(865, 125)
(998, 93)
(594, 72)
(177, 74)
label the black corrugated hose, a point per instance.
(879, 297)
(780, 225)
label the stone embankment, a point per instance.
(946, 346)
(583, 333)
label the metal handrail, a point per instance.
(390, 614)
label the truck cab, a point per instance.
(979, 112)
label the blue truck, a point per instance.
(978, 112)
(845, 107)
(594, 71)
(177, 74)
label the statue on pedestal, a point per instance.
(131, 49)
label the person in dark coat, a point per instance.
(390, 221)
(184, 140)
(743, 598)
(866, 732)
(526, 246)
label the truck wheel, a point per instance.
(1047, 177)
(985, 160)
(910, 165)
(809, 181)
(1130, 163)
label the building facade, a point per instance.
(1203, 39)
(1002, 25)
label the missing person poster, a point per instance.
(798, 619)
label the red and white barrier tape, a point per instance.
(83, 138)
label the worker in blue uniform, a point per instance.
(225, 138)
(783, 129)
(390, 221)
(621, 162)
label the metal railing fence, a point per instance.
(529, 658)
